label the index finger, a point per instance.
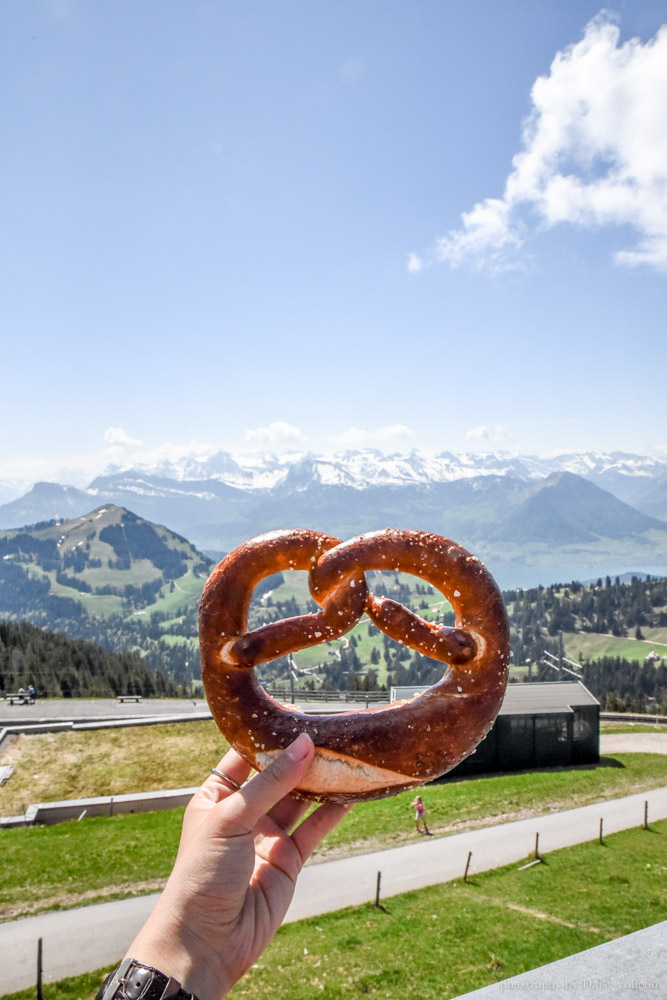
(244, 809)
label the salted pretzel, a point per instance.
(372, 752)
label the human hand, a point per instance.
(234, 874)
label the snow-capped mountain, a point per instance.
(566, 515)
(370, 467)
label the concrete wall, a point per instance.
(48, 813)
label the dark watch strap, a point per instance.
(133, 980)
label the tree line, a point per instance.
(58, 666)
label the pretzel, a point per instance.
(373, 752)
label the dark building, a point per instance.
(547, 724)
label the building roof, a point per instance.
(546, 696)
(537, 698)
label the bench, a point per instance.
(20, 699)
(129, 697)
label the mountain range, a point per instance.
(532, 519)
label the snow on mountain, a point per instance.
(369, 467)
(565, 515)
(593, 463)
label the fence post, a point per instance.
(40, 995)
(465, 874)
(377, 889)
(646, 815)
(111, 806)
(537, 845)
(600, 829)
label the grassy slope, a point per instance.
(590, 645)
(449, 939)
(84, 531)
(52, 766)
(593, 645)
(296, 586)
(631, 727)
(53, 866)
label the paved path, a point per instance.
(90, 709)
(82, 709)
(611, 743)
(86, 939)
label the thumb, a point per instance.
(268, 787)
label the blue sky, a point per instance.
(322, 225)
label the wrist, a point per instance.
(135, 980)
(174, 952)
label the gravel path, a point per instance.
(611, 743)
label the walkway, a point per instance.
(89, 938)
(611, 743)
(89, 709)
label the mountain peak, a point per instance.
(565, 509)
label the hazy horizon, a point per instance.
(319, 227)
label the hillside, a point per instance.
(109, 576)
(530, 525)
(73, 668)
(618, 631)
(565, 509)
(527, 530)
(114, 578)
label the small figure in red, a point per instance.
(420, 815)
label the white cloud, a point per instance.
(121, 452)
(489, 236)
(117, 436)
(415, 263)
(358, 435)
(594, 154)
(483, 433)
(500, 434)
(275, 434)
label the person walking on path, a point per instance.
(420, 815)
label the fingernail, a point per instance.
(300, 748)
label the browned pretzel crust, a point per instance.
(374, 752)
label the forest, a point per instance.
(537, 617)
(164, 655)
(73, 668)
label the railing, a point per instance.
(305, 694)
(653, 720)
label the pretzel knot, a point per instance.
(373, 752)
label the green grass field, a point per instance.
(449, 939)
(52, 766)
(586, 645)
(187, 591)
(632, 727)
(593, 645)
(296, 586)
(104, 857)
